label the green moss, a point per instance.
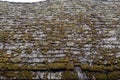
(85, 66)
(110, 68)
(40, 67)
(114, 75)
(77, 64)
(9, 66)
(9, 74)
(62, 63)
(65, 59)
(56, 65)
(68, 75)
(69, 66)
(5, 36)
(100, 76)
(25, 75)
(3, 59)
(44, 51)
(18, 75)
(97, 68)
(27, 37)
(28, 50)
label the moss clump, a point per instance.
(28, 51)
(100, 76)
(65, 59)
(67, 66)
(56, 65)
(6, 36)
(101, 72)
(98, 68)
(18, 75)
(110, 68)
(85, 66)
(3, 59)
(62, 63)
(25, 75)
(114, 75)
(40, 67)
(9, 66)
(97, 76)
(9, 74)
(44, 51)
(27, 37)
(68, 75)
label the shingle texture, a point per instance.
(55, 38)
